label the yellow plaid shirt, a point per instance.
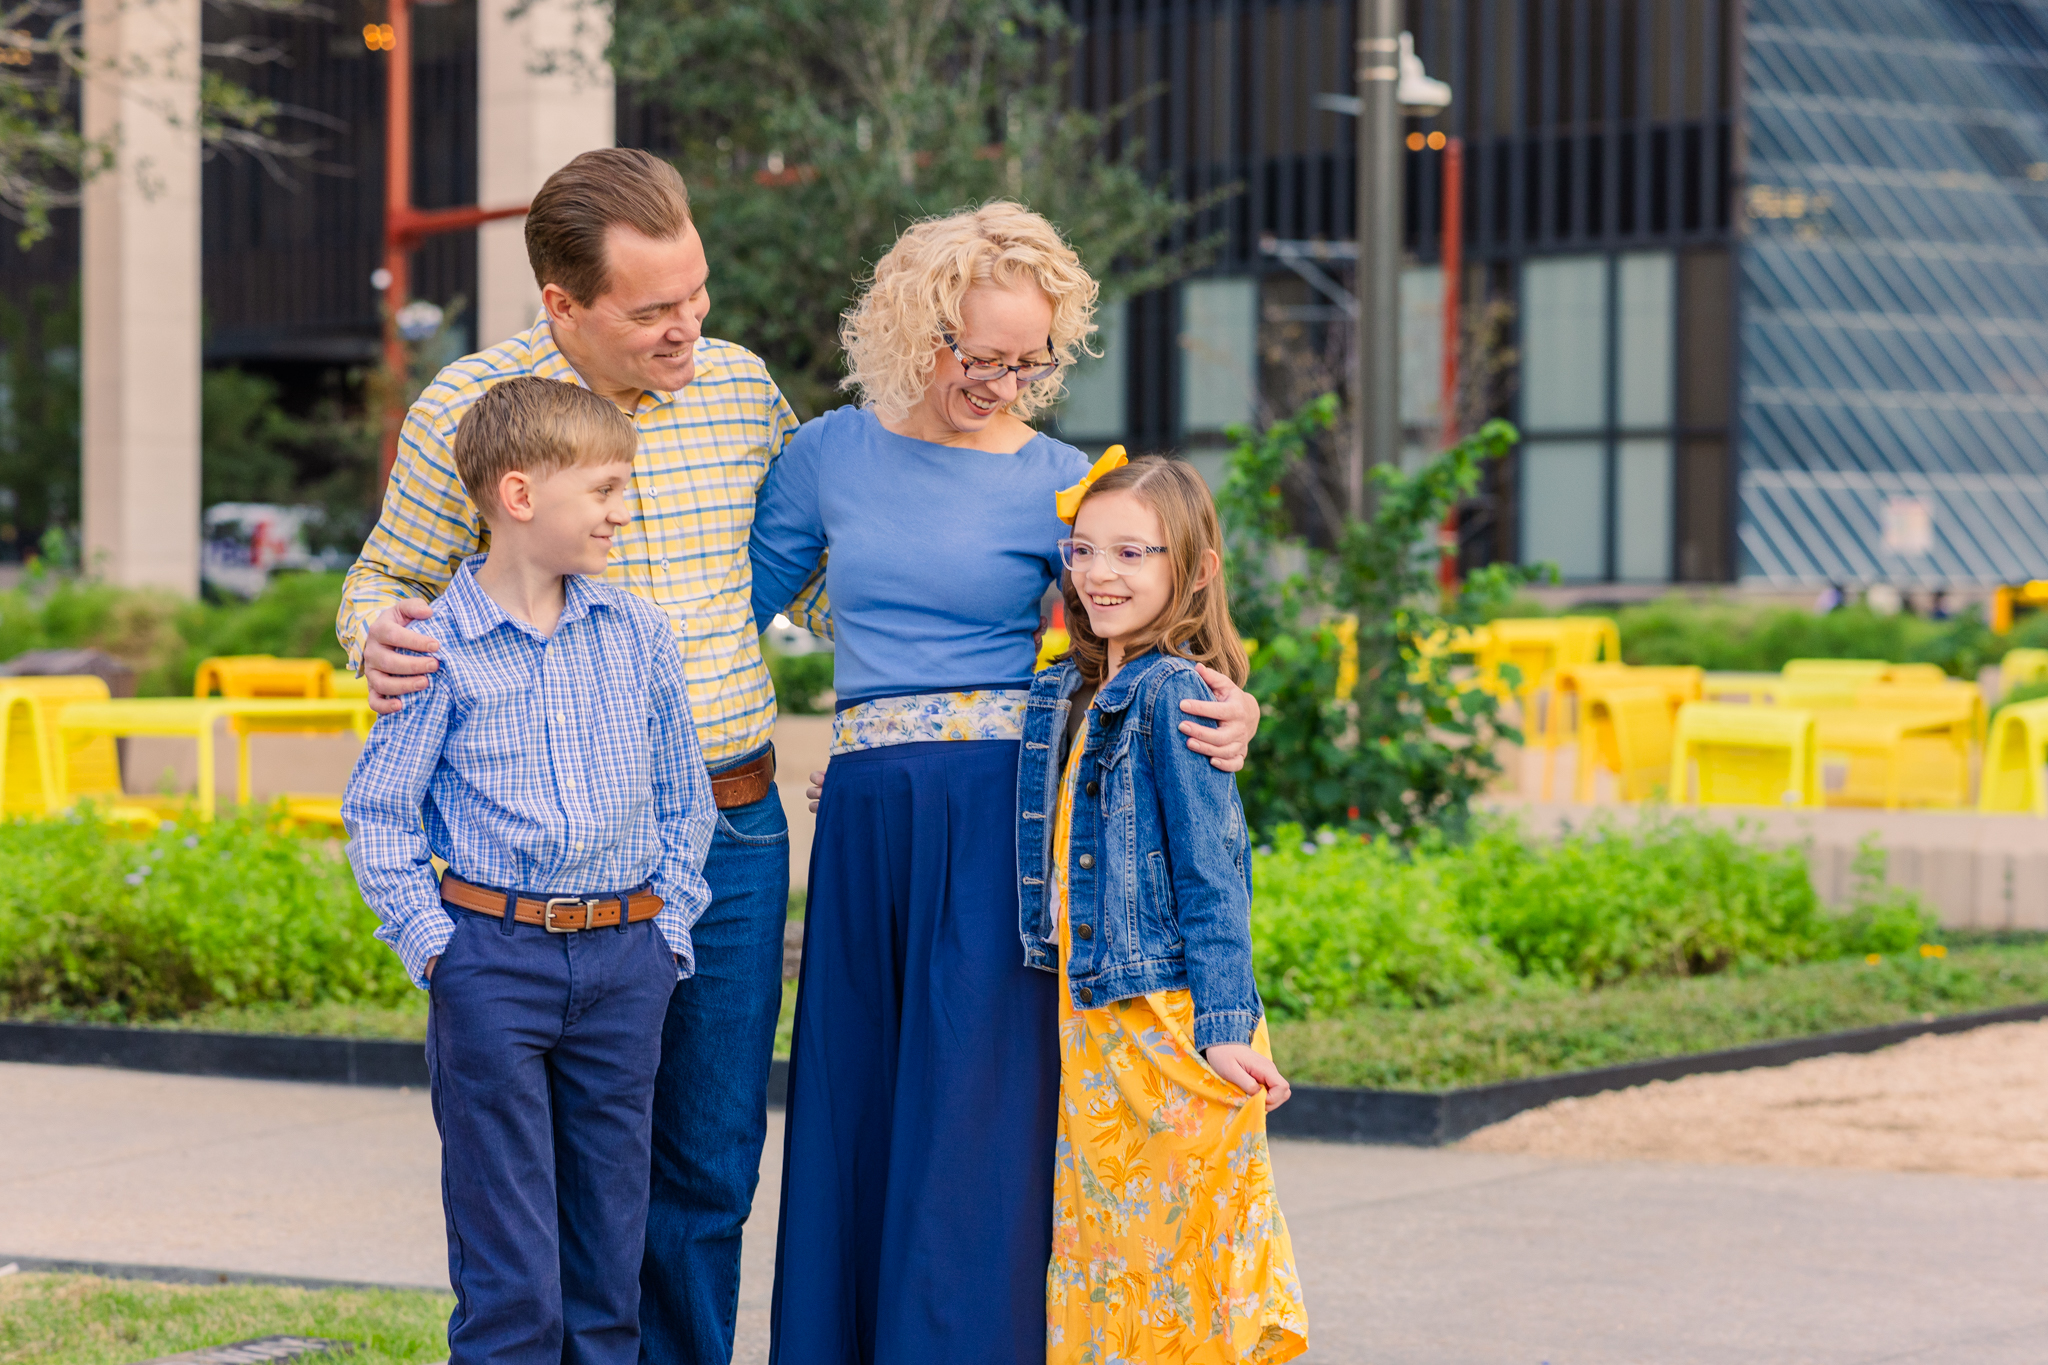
(704, 451)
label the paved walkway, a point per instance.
(1409, 1257)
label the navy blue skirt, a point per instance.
(924, 1075)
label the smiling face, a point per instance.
(1120, 604)
(1005, 325)
(642, 332)
(564, 521)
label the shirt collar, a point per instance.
(470, 614)
(550, 363)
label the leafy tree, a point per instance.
(44, 155)
(1366, 727)
(39, 416)
(813, 131)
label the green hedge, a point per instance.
(99, 922)
(1729, 634)
(1339, 923)
(164, 637)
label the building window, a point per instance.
(1096, 407)
(1219, 355)
(1598, 472)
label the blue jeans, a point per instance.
(541, 1052)
(710, 1098)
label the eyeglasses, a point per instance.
(1124, 560)
(987, 371)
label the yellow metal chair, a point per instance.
(2022, 666)
(1862, 670)
(1898, 757)
(1576, 685)
(32, 706)
(2014, 759)
(346, 684)
(1744, 756)
(1626, 732)
(262, 675)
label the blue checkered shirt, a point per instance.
(553, 766)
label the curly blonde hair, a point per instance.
(892, 332)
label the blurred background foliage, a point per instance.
(814, 131)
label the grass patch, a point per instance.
(1543, 1029)
(85, 1320)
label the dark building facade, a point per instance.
(1773, 275)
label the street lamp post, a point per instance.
(1391, 85)
(1376, 411)
(405, 227)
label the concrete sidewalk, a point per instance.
(1409, 1257)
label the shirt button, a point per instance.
(1087, 860)
(1084, 931)
(1087, 996)
(1095, 789)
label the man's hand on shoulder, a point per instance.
(1236, 713)
(390, 671)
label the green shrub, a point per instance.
(98, 921)
(1338, 923)
(803, 682)
(163, 637)
(1745, 637)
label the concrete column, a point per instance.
(140, 262)
(529, 122)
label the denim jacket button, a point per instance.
(1084, 931)
(1087, 996)
(1086, 860)
(1095, 789)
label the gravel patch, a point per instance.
(1965, 1104)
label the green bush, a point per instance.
(164, 637)
(803, 682)
(1339, 923)
(99, 922)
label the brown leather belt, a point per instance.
(744, 785)
(556, 914)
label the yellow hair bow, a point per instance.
(1069, 499)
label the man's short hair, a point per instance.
(537, 427)
(567, 221)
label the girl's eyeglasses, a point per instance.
(988, 371)
(1080, 556)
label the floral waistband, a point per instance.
(996, 713)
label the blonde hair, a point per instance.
(536, 426)
(892, 332)
(1196, 624)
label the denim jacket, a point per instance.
(1159, 872)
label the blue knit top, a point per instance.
(938, 555)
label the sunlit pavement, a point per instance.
(1409, 1257)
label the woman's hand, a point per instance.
(1236, 713)
(816, 791)
(1250, 1070)
(390, 672)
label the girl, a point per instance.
(1168, 1243)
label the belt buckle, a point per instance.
(589, 909)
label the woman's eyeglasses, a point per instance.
(988, 371)
(1080, 556)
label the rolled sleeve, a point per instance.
(428, 526)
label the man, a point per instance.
(624, 288)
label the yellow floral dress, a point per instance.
(1167, 1240)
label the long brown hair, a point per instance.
(1196, 622)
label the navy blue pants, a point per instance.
(710, 1110)
(542, 1051)
(917, 1174)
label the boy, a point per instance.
(556, 771)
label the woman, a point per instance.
(917, 1163)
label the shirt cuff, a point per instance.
(1224, 1026)
(423, 938)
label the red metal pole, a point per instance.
(1453, 235)
(397, 208)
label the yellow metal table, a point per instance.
(195, 718)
